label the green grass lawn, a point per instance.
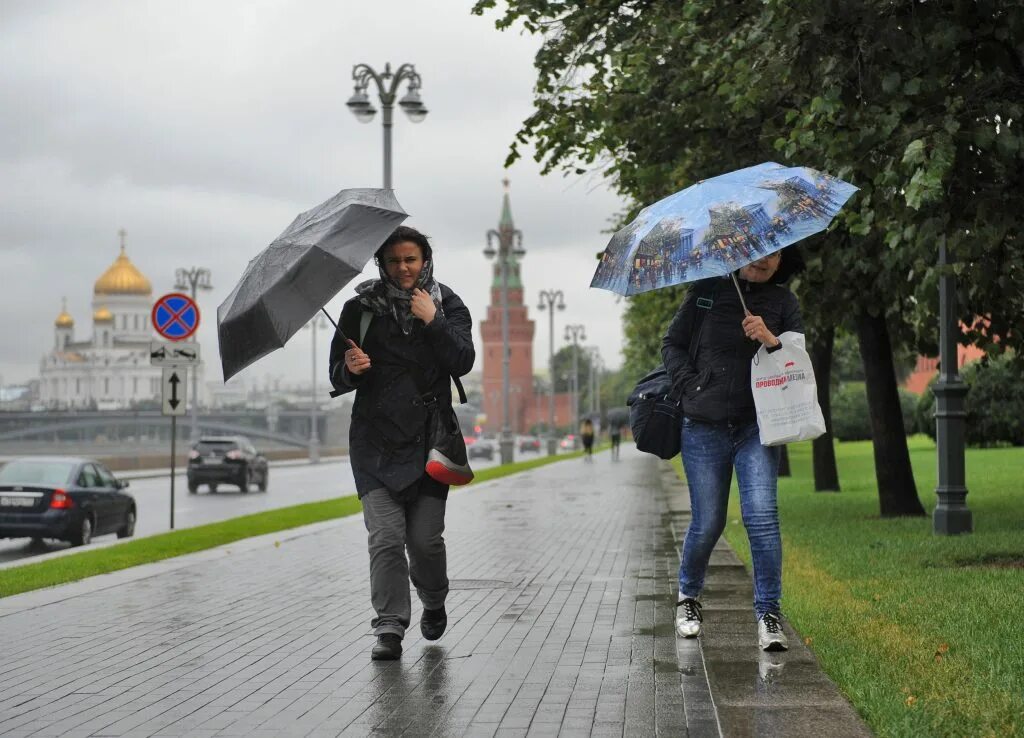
(90, 562)
(924, 634)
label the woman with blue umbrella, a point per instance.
(729, 236)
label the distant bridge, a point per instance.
(283, 427)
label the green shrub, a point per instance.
(851, 420)
(994, 404)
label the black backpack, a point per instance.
(655, 405)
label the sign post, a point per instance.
(175, 317)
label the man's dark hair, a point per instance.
(403, 234)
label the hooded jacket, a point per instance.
(715, 386)
(387, 437)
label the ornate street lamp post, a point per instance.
(194, 279)
(951, 515)
(575, 333)
(314, 433)
(510, 243)
(387, 84)
(595, 380)
(549, 300)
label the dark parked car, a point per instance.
(226, 459)
(62, 497)
(482, 448)
(529, 444)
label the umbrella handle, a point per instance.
(738, 292)
(337, 328)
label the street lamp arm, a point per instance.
(363, 73)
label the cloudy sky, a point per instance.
(203, 128)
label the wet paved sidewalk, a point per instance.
(560, 623)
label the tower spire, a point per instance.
(506, 207)
(122, 234)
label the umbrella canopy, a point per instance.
(289, 281)
(617, 416)
(718, 225)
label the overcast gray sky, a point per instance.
(203, 128)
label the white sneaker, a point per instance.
(688, 618)
(769, 633)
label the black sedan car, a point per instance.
(62, 497)
(233, 460)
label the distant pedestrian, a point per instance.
(615, 435)
(414, 335)
(587, 436)
(720, 433)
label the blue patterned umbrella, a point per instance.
(719, 225)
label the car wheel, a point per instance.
(263, 480)
(213, 488)
(83, 536)
(193, 487)
(128, 529)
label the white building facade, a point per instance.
(109, 369)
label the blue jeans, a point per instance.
(709, 454)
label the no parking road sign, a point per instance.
(175, 316)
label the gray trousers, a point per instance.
(393, 529)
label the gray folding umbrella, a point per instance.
(295, 276)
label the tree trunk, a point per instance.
(826, 474)
(784, 462)
(897, 493)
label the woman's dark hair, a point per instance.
(403, 234)
(792, 263)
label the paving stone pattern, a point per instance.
(560, 623)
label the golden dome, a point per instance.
(102, 315)
(122, 278)
(64, 320)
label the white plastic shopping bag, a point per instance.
(785, 394)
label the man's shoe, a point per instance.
(688, 618)
(769, 633)
(388, 648)
(433, 623)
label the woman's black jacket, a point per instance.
(716, 385)
(387, 439)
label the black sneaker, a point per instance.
(388, 648)
(433, 623)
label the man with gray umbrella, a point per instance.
(414, 336)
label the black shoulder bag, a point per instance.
(656, 405)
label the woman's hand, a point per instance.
(422, 306)
(356, 360)
(754, 327)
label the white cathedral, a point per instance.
(110, 369)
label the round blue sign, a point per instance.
(175, 316)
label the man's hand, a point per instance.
(356, 360)
(422, 306)
(754, 327)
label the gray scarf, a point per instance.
(384, 297)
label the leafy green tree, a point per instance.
(658, 94)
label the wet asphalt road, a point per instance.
(289, 485)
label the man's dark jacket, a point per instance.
(387, 438)
(716, 386)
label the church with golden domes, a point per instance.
(109, 367)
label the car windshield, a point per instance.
(45, 473)
(219, 447)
